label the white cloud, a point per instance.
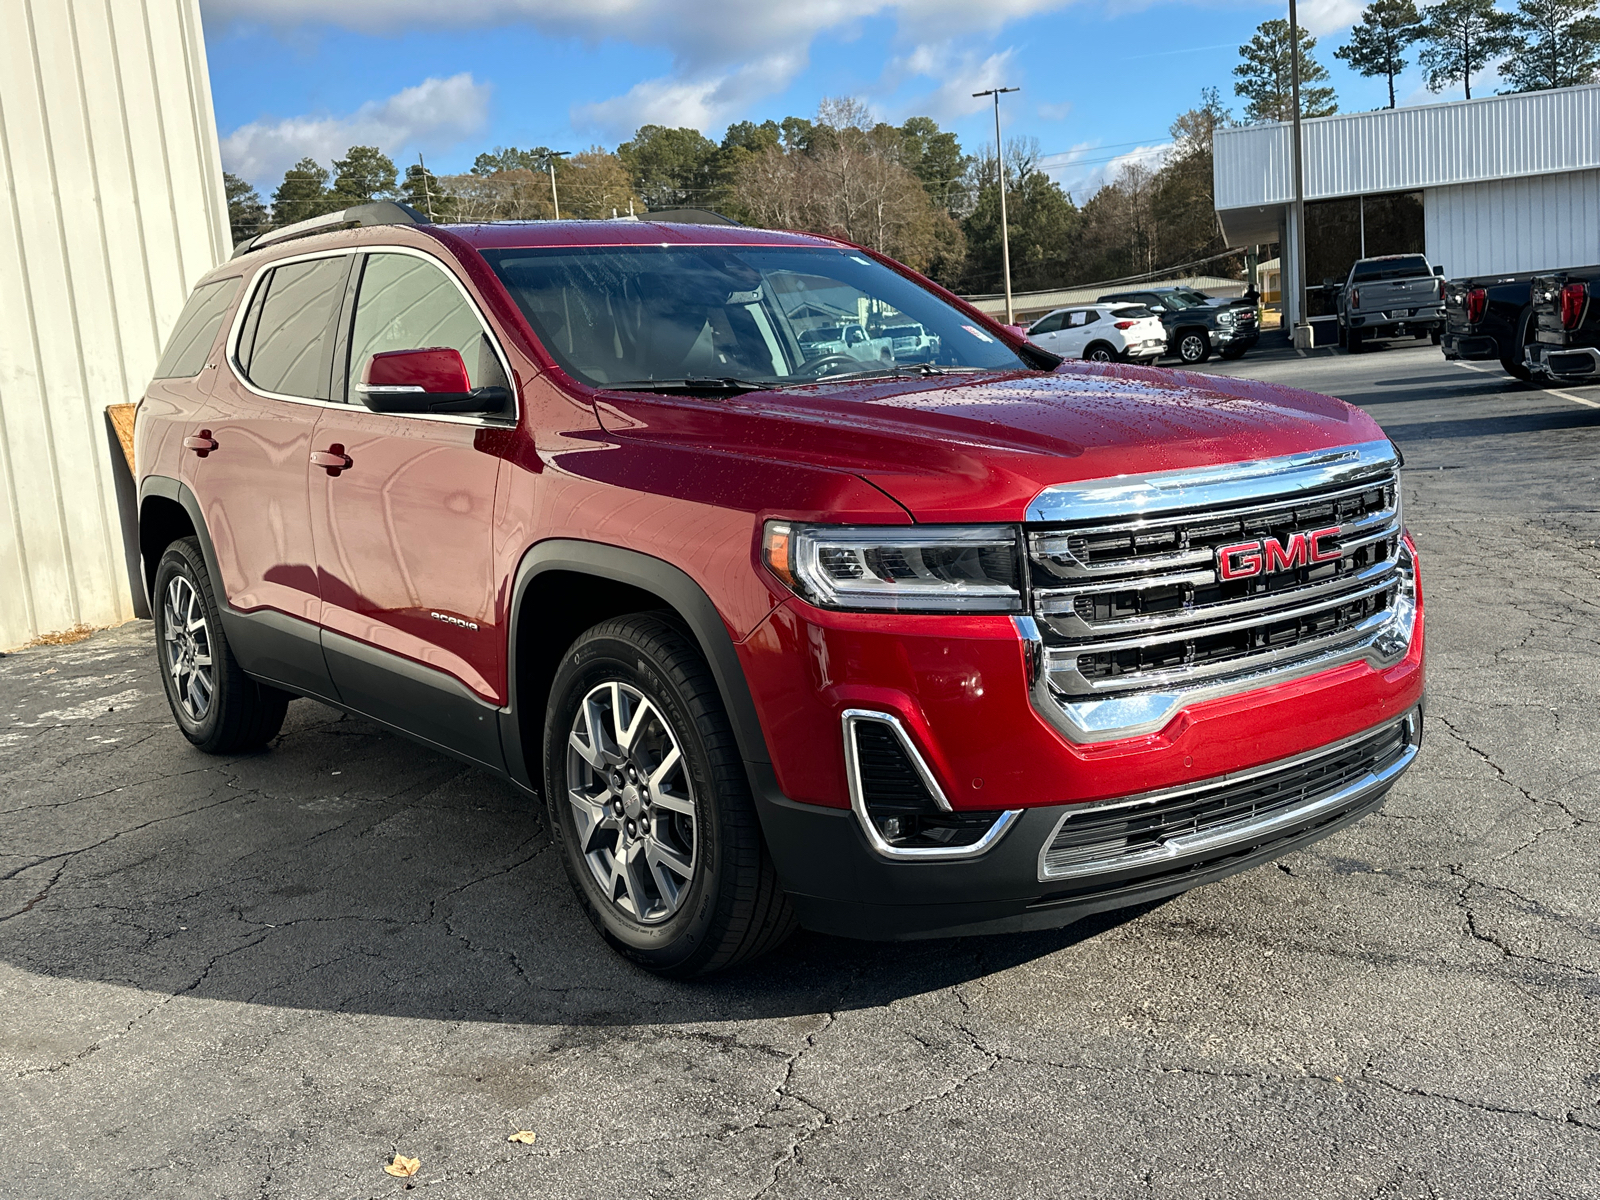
(1085, 169)
(721, 49)
(1322, 17)
(433, 115)
(959, 73)
(1055, 112)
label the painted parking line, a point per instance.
(1551, 391)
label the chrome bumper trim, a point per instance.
(1176, 849)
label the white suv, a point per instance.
(1102, 333)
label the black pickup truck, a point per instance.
(1566, 324)
(1489, 317)
(1196, 323)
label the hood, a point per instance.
(980, 447)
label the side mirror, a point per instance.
(1439, 271)
(433, 380)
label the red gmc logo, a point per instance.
(1267, 555)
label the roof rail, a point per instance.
(379, 212)
(689, 216)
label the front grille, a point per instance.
(1252, 808)
(1140, 604)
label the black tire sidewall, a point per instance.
(183, 558)
(599, 657)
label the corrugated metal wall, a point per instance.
(112, 205)
(1401, 149)
(1514, 224)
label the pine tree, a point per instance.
(1377, 45)
(422, 190)
(365, 173)
(1462, 37)
(1557, 45)
(302, 194)
(247, 216)
(1264, 76)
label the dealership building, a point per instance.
(1487, 186)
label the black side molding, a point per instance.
(648, 574)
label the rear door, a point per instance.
(252, 479)
(403, 534)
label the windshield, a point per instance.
(1408, 267)
(1131, 312)
(759, 314)
(1186, 299)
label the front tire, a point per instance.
(216, 705)
(1194, 347)
(1233, 353)
(650, 805)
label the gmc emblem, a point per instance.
(1266, 556)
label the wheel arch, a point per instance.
(565, 586)
(168, 511)
(1089, 349)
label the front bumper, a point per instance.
(839, 886)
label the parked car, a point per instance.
(846, 341)
(910, 343)
(1566, 319)
(1196, 323)
(1392, 296)
(1102, 333)
(985, 641)
(1489, 318)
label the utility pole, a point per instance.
(550, 159)
(427, 192)
(1302, 327)
(1000, 162)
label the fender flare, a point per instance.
(686, 597)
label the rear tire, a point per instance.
(1436, 337)
(1099, 352)
(650, 805)
(1517, 368)
(1356, 341)
(216, 705)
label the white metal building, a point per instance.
(1486, 186)
(112, 205)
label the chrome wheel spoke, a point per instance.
(632, 802)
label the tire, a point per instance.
(1100, 352)
(216, 705)
(1233, 353)
(707, 895)
(1194, 347)
(1356, 341)
(1436, 336)
(1518, 368)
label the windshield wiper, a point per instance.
(691, 383)
(898, 371)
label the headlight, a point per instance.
(911, 568)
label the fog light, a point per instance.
(891, 828)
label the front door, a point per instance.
(403, 534)
(252, 479)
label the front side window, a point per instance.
(1049, 324)
(286, 343)
(408, 303)
(196, 330)
(632, 315)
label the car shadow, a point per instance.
(1493, 425)
(348, 870)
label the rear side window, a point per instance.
(1049, 324)
(408, 303)
(196, 330)
(286, 343)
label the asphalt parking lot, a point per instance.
(266, 976)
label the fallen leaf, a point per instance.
(404, 1167)
(525, 1136)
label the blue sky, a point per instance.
(447, 78)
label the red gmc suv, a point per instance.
(802, 592)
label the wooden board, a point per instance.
(122, 421)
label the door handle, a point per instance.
(201, 443)
(332, 460)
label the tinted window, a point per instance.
(196, 331)
(1132, 312)
(637, 314)
(408, 303)
(1049, 324)
(290, 327)
(1089, 318)
(1393, 268)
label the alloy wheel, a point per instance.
(632, 802)
(1192, 348)
(188, 649)
(1100, 354)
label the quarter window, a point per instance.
(408, 303)
(196, 330)
(286, 343)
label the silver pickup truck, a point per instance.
(1398, 295)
